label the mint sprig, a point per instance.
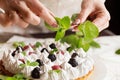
(83, 38)
(63, 26)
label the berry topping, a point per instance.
(22, 60)
(40, 62)
(31, 53)
(52, 57)
(52, 46)
(44, 49)
(19, 48)
(74, 55)
(25, 47)
(35, 73)
(56, 67)
(13, 53)
(73, 62)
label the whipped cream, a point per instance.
(66, 71)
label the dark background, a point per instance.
(113, 8)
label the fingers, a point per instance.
(102, 20)
(40, 10)
(25, 13)
(11, 19)
(18, 21)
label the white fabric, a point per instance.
(107, 65)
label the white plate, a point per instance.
(100, 70)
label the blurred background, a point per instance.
(113, 8)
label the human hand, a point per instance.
(24, 12)
(95, 11)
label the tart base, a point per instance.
(6, 72)
(86, 76)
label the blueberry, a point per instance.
(40, 62)
(73, 62)
(74, 55)
(44, 49)
(52, 46)
(35, 73)
(13, 53)
(19, 48)
(52, 57)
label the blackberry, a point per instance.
(52, 46)
(44, 49)
(35, 73)
(40, 62)
(19, 48)
(73, 62)
(52, 57)
(74, 55)
(13, 53)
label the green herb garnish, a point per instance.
(57, 71)
(117, 52)
(16, 44)
(18, 76)
(38, 44)
(24, 53)
(63, 25)
(28, 63)
(83, 38)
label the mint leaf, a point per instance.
(38, 44)
(89, 30)
(10, 78)
(34, 64)
(24, 53)
(51, 27)
(71, 39)
(19, 76)
(117, 52)
(65, 22)
(16, 44)
(60, 34)
(22, 65)
(57, 71)
(94, 44)
(63, 25)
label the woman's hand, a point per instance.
(95, 11)
(24, 12)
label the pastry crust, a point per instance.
(86, 76)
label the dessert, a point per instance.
(46, 60)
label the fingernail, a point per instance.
(76, 22)
(54, 24)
